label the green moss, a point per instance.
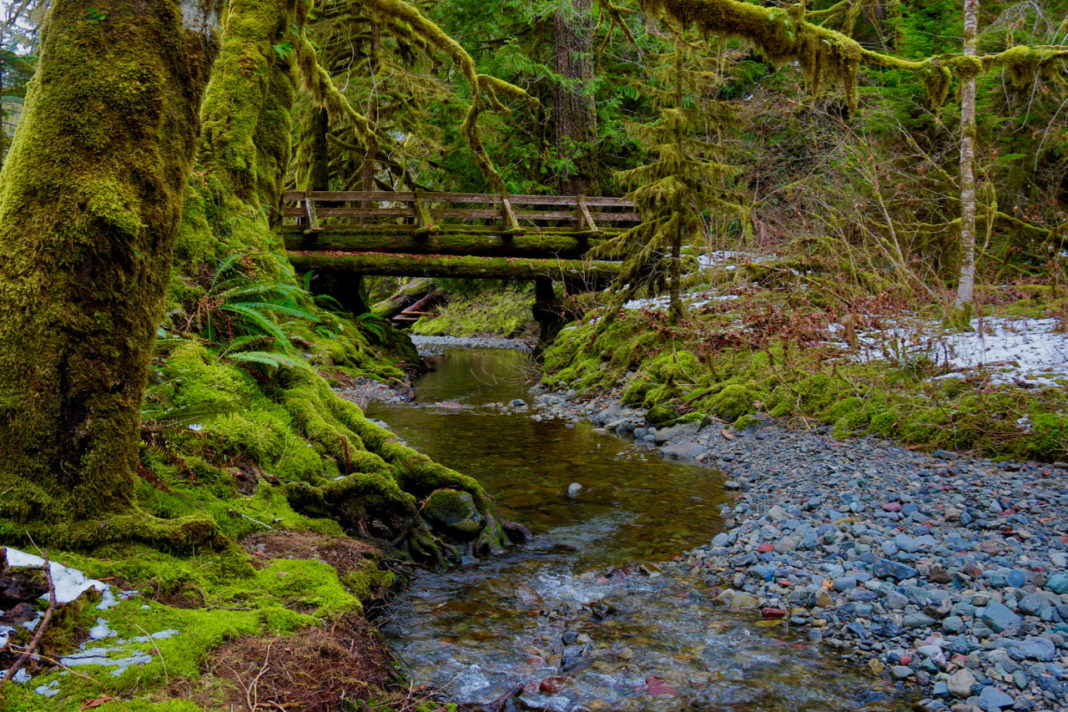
(504, 312)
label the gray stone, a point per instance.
(960, 683)
(953, 624)
(1058, 583)
(992, 699)
(884, 568)
(918, 620)
(999, 618)
(1041, 649)
(900, 672)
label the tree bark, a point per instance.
(90, 199)
(574, 113)
(966, 285)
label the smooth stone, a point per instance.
(992, 699)
(1058, 583)
(960, 683)
(999, 618)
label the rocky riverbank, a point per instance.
(945, 573)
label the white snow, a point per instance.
(690, 301)
(1034, 351)
(69, 583)
(729, 259)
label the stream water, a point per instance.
(583, 617)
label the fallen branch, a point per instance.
(40, 629)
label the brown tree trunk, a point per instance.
(90, 198)
(574, 113)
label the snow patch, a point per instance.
(1033, 351)
(69, 583)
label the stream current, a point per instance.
(583, 617)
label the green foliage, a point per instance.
(678, 191)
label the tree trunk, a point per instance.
(90, 199)
(574, 114)
(966, 285)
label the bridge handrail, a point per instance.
(419, 208)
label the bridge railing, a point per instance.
(325, 211)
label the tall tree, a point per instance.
(574, 114)
(90, 198)
(688, 182)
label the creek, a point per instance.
(591, 614)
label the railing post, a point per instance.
(585, 220)
(309, 213)
(511, 222)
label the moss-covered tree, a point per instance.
(90, 198)
(688, 181)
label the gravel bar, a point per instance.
(947, 573)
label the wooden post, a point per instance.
(585, 220)
(511, 223)
(309, 213)
(423, 221)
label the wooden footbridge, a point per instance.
(471, 235)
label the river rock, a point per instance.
(455, 510)
(960, 683)
(991, 699)
(999, 617)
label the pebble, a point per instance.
(875, 550)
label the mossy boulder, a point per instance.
(660, 415)
(454, 510)
(733, 402)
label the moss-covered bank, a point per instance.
(712, 366)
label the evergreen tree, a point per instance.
(687, 182)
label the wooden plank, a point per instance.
(362, 196)
(594, 273)
(480, 243)
(585, 219)
(355, 196)
(309, 213)
(365, 212)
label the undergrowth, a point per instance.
(771, 353)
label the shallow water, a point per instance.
(574, 616)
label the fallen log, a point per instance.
(404, 297)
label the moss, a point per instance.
(502, 312)
(109, 127)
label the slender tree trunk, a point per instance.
(966, 285)
(90, 198)
(574, 114)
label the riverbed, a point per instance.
(584, 616)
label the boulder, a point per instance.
(454, 510)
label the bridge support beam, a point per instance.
(593, 275)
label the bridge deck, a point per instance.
(452, 234)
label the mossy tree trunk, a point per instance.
(90, 199)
